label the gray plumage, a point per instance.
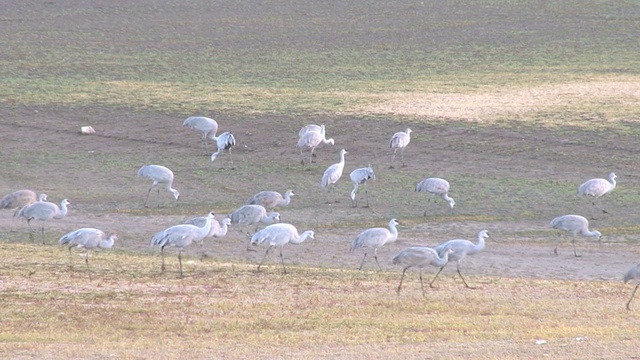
(597, 188)
(399, 141)
(271, 199)
(181, 236)
(44, 211)
(333, 173)
(204, 125)
(420, 257)
(252, 215)
(161, 176)
(18, 200)
(574, 225)
(310, 140)
(360, 176)
(277, 235)
(461, 249)
(218, 228)
(88, 239)
(632, 275)
(435, 186)
(375, 238)
(225, 141)
(311, 127)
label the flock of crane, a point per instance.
(259, 209)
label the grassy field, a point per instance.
(515, 102)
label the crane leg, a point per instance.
(43, 232)
(162, 255)
(421, 283)
(282, 260)
(366, 195)
(147, 199)
(264, 257)
(435, 277)
(459, 273)
(180, 261)
(231, 160)
(375, 256)
(401, 278)
(158, 198)
(86, 258)
(632, 295)
(393, 159)
(362, 263)
(573, 242)
(402, 157)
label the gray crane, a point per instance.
(225, 141)
(44, 211)
(375, 238)
(310, 141)
(420, 257)
(598, 188)
(277, 235)
(435, 186)
(632, 275)
(574, 225)
(399, 141)
(252, 215)
(88, 239)
(161, 176)
(19, 199)
(333, 173)
(461, 249)
(204, 125)
(218, 228)
(181, 236)
(271, 199)
(360, 176)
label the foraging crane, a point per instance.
(277, 235)
(435, 186)
(225, 141)
(218, 228)
(311, 127)
(311, 140)
(598, 188)
(399, 140)
(333, 173)
(181, 236)
(631, 275)
(203, 124)
(461, 249)
(573, 224)
(88, 239)
(375, 238)
(271, 199)
(161, 176)
(361, 176)
(44, 211)
(250, 215)
(19, 199)
(420, 257)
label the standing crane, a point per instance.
(631, 275)
(461, 248)
(310, 140)
(161, 176)
(361, 176)
(204, 125)
(399, 140)
(573, 224)
(375, 238)
(252, 215)
(598, 188)
(271, 199)
(333, 173)
(88, 239)
(44, 211)
(435, 186)
(277, 235)
(218, 228)
(420, 257)
(19, 199)
(181, 236)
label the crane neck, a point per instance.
(300, 238)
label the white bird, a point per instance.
(420, 257)
(311, 127)
(573, 224)
(311, 140)
(435, 186)
(250, 215)
(597, 188)
(461, 248)
(44, 211)
(399, 140)
(271, 199)
(225, 141)
(632, 274)
(333, 173)
(161, 176)
(203, 124)
(181, 236)
(88, 239)
(19, 199)
(218, 228)
(361, 176)
(375, 238)
(277, 235)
